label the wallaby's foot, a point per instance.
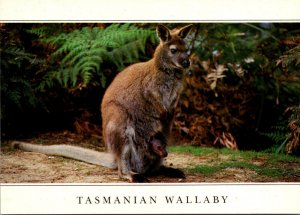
(171, 172)
(139, 178)
(134, 177)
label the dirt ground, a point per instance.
(28, 167)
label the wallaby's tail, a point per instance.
(82, 154)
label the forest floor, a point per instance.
(200, 164)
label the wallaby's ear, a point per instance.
(183, 32)
(163, 33)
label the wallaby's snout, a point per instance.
(186, 63)
(181, 60)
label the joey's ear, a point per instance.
(163, 33)
(183, 32)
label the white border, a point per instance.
(223, 198)
(149, 10)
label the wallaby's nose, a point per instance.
(185, 63)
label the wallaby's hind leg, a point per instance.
(119, 138)
(125, 168)
(130, 160)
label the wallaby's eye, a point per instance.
(173, 50)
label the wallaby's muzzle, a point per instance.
(185, 63)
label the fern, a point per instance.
(81, 54)
(278, 133)
(40, 32)
(285, 134)
(16, 90)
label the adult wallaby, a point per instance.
(137, 113)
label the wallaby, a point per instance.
(137, 113)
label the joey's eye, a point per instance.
(173, 50)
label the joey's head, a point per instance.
(159, 148)
(158, 144)
(172, 52)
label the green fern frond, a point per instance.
(15, 97)
(16, 90)
(56, 40)
(40, 32)
(278, 132)
(102, 79)
(81, 53)
(86, 75)
(277, 136)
